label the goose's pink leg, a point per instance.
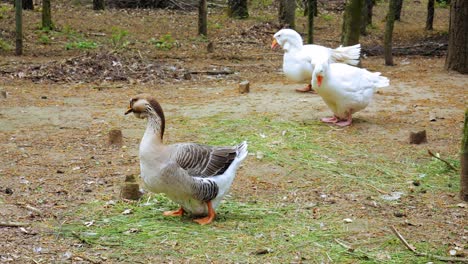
(346, 122)
(306, 89)
(333, 119)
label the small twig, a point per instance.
(377, 189)
(446, 162)
(417, 253)
(88, 259)
(13, 224)
(212, 72)
(348, 247)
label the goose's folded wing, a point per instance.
(200, 188)
(204, 161)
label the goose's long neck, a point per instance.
(154, 131)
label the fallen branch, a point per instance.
(446, 162)
(422, 254)
(13, 224)
(377, 189)
(212, 72)
(348, 247)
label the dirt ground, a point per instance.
(55, 157)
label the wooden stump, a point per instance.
(130, 189)
(244, 87)
(210, 47)
(418, 137)
(115, 138)
(3, 94)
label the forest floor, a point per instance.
(307, 193)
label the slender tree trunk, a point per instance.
(310, 20)
(457, 55)
(28, 5)
(46, 15)
(238, 9)
(398, 10)
(389, 32)
(366, 16)
(98, 4)
(430, 15)
(202, 18)
(464, 162)
(19, 27)
(306, 7)
(352, 23)
(287, 13)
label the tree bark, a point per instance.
(366, 15)
(306, 7)
(202, 18)
(238, 9)
(457, 55)
(389, 32)
(352, 23)
(19, 27)
(46, 15)
(287, 13)
(98, 4)
(430, 15)
(28, 5)
(398, 10)
(464, 162)
(311, 4)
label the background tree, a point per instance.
(46, 15)
(287, 13)
(19, 27)
(366, 15)
(238, 9)
(311, 9)
(351, 22)
(98, 4)
(457, 55)
(464, 161)
(305, 3)
(28, 5)
(399, 6)
(202, 18)
(430, 15)
(389, 32)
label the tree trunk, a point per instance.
(464, 162)
(457, 55)
(398, 10)
(98, 4)
(389, 32)
(311, 4)
(28, 5)
(238, 9)
(19, 27)
(352, 23)
(287, 13)
(366, 16)
(46, 15)
(202, 18)
(430, 15)
(306, 7)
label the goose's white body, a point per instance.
(297, 57)
(346, 89)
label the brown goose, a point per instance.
(195, 176)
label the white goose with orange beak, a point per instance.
(345, 89)
(297, 57)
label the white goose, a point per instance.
(195, 176)
(297, 57)
(345, 89)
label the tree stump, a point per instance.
(418, 137)
(130, 189)
(244, 87)
(115, 138)
(3, 94)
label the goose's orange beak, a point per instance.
(274, 44)
(129, 110)
(319, 80)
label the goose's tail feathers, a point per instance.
(349, 55)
